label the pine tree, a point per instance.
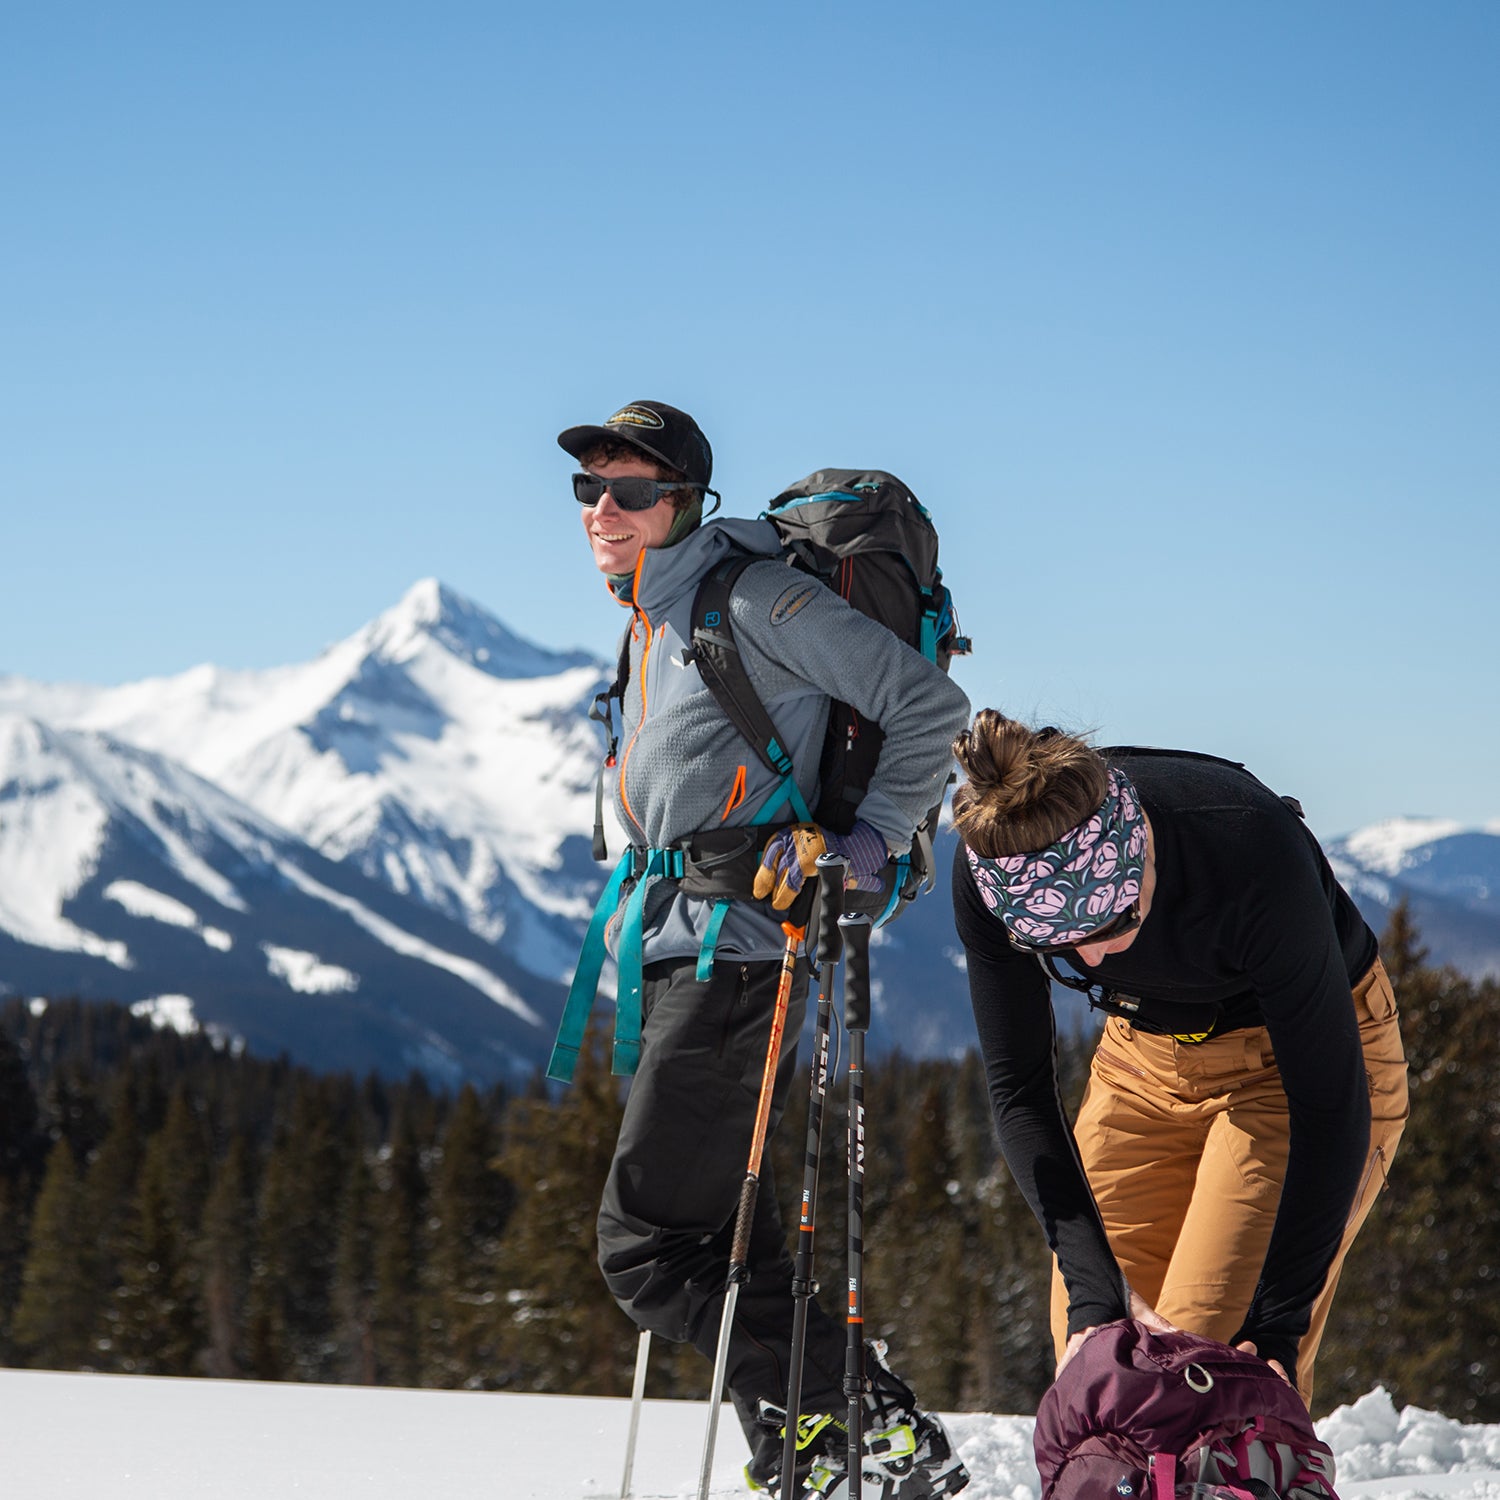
(71, 1108)
(1401, 949)
(354, 1274)
(471, 1203)
(109, 1193)
(290, 1315)
(1009, 1328)
(54, 1324)
(400, 1215)
(917, 1274)
(563, 1331)
(159, 1299)
(1010, 1338)
(224, 1259)
(22, 1152)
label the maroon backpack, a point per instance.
(1167, 1416)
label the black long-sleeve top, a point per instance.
(1246, 915)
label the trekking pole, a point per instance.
(831, 868)
(637, 1394)
(856, 927)
(739, 1254)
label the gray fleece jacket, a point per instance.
(684, 767)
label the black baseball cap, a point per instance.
(660, 431)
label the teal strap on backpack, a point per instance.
(787, 794)
(903, 864)
(659, 863)
(649, 866)
(585, 985)
(705, 970)
(929, 635)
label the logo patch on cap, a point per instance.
(791, 601)
(635, 416)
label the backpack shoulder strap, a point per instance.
(1203, 755)
(723, 669)
(1142, 751)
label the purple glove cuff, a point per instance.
(863, 846)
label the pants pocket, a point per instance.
(1385, 1057)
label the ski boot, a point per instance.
(907, 1454)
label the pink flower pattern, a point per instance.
(1101, 900)
(1047, 902)
(1074, 886)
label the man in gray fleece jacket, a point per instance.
(709, 970)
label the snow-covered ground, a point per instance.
(67, 1437)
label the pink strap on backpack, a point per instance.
(1163, 1476)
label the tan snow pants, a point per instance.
(1185, 1148)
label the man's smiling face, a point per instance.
(617, 536)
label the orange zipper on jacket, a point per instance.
(736, 794)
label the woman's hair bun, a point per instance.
(1023, 787)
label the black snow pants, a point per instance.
(667, 1220)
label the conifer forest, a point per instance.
(168, 1206)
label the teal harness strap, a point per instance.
(779, 797)
(705, 970)
(585, 985)
(659, 863)
(647, 866)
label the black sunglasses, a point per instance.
(1127, 921)
(631, 492)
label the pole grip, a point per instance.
(831, 871)
(855, 927)
(739, 1254)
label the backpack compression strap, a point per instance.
(1163, 1476)
(722, 669)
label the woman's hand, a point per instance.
(1248, 1348)
(1143, 1313)
(1074, 1344)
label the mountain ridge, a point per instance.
(424, 787)
(124, 876)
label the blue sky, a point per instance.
(1182, 319)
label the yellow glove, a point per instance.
(788, 860)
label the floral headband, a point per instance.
(1078, 883)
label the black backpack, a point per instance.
(866, 536)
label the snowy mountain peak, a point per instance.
(430, 611)
(22, 741)
(1387, 846)
(68, 791)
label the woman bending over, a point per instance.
(1249, 1089)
